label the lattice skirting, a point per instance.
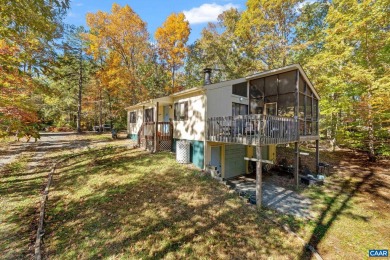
(165, 145)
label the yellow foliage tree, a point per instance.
(119, 40)
(171, 38)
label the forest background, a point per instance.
(66, 77)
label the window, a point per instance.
(239, 109)
(149, 115)
(181, 111)
(133, 117)
(240, 89)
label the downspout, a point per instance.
(205, 148)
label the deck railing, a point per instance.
(253, 129)
(147, 132)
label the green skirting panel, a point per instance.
(132, 136)
(196, 152)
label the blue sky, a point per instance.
(154, 12)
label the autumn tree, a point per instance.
(120, 40)
(224, 50)
(268, 29)
(352, 73)
(27, 31)
(310, 31)
(171, 39)
(194, 65)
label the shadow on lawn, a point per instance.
(21, 184)
(362, 180)
(150, 215)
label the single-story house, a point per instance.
(228, 123)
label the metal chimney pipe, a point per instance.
(207, 76)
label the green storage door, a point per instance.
(234, 160)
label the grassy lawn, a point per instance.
(110, 201)
(353, 207)
(121, 203)
(19, 196)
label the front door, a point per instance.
(166, 119)
(166, 113)
(216, 157)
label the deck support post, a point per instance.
(155, 141)
(258, 177)
(317, 155)
(296, 165)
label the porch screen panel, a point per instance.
(256, 88)
(271, 99)
(271, 85)
(309, 101)
(287, 82)
(256, 105)
(256, 96)
(286, 105)
(315, 109)
(302, 88)
(302, 106)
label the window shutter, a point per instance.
(186, 110)
(176, 106)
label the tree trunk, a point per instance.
(79, 96)
(100, 110)
(370, 125)
(110, 108)
(173, 78)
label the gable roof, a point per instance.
(282, 70)
(195, 90)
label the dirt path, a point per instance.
(23, 172)
(51, 142)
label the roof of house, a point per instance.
(169, 99)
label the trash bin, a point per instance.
(183, 151)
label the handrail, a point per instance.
(147, 131)
(255, 129)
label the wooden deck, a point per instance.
(253, 129)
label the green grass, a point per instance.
(120, 203)
(19, 196)
(352, 208)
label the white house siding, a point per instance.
(133, 128)
(220, 98)
(194, 127)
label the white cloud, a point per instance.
(206, 12)
(79, 4)
(302, 4)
